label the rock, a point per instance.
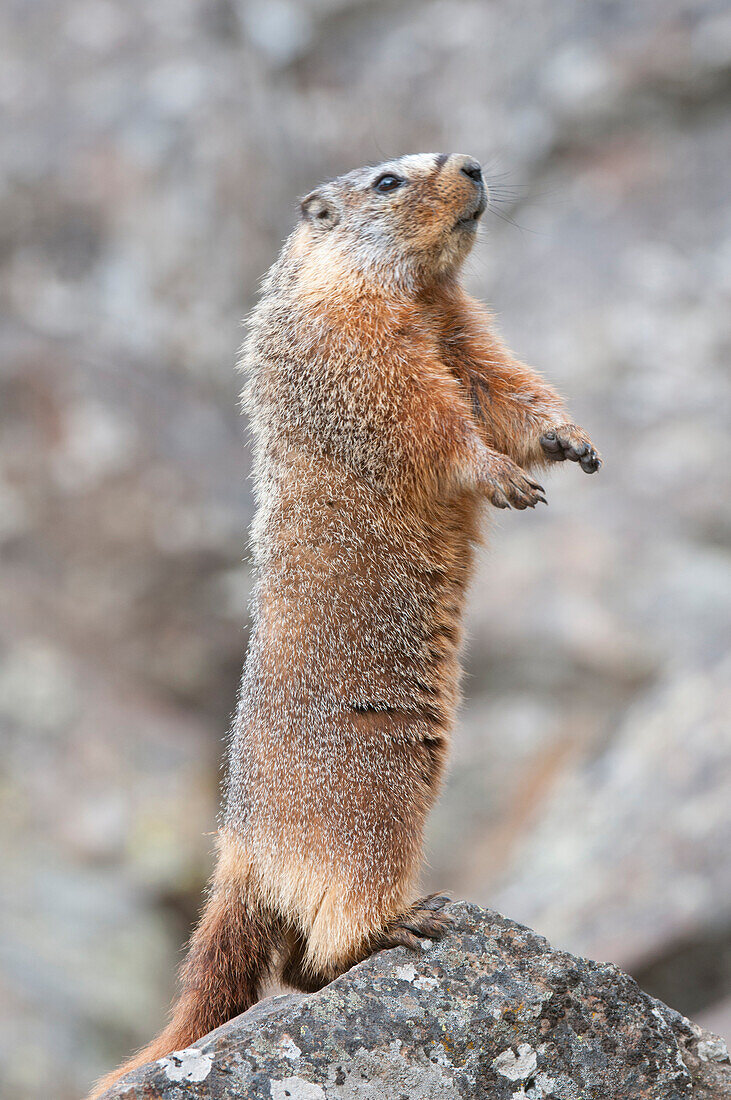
(492, 1012)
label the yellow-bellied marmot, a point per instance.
(385, 410)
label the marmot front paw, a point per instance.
(507, 485)
(569, 441)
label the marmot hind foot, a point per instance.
(422, 920)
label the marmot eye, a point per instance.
(387, 183)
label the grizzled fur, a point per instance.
(385, 410)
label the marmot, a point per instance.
(385, 410)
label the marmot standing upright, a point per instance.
(385, 410)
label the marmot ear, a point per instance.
(320, 209)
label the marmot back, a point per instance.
(385, 413)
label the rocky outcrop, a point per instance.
(491, 1013)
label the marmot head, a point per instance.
(404, 223)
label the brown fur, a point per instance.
(385, 410)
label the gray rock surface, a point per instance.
(490, 1013)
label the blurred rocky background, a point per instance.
(151, 158)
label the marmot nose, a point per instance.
(472, 169)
